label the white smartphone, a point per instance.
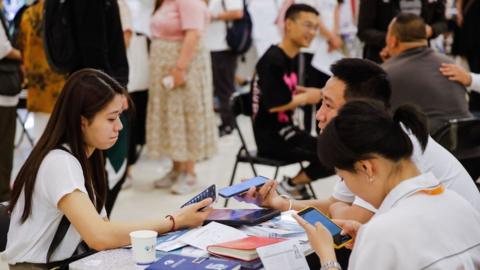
(168, 82)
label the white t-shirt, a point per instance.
(414, 230)
(436, 159)
(215, 39)
(59, 174)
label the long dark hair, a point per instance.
(157, 5)
(85, 93)
(364, 128)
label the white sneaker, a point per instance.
(167, 180)
(186, 183)
(298, 192)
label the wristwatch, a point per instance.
(331, 265)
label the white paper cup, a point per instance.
(143, 246)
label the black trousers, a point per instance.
(304, 149)
(224, 65)
(7, 140)
(138, 124)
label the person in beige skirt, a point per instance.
(180, 118)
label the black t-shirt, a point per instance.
(277, 78)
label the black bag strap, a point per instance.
(59, 236)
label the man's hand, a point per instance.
(334, 43)
(302, 95)
(385, 54)
(266, 196)
(456, 73)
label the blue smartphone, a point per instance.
(312, 215)
(207, 193)
(243, 187)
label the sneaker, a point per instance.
(185, 184)
(298, 192)
(167, 180)
(128, 182)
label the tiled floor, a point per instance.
(142, 201)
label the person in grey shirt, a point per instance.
(413, 71)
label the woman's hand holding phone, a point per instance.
(320, 239)
(190, 216)
(350, 227)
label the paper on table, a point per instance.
(285, 255)
(211, 234)
(170, 241)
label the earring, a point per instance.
(370, 179)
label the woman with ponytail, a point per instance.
(419, 224)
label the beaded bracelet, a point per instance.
(173, 222)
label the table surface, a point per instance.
(122, 259)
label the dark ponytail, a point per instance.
(363, 128)
(411, 117)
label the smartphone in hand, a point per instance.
(242, 187)
(312, 215)
(210, 192)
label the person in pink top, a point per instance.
(180, 118)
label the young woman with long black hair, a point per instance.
(64, 176)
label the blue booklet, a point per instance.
(179, 262)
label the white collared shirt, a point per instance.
(415, 230)
(475, 86)
(436, 159)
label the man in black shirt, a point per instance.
(275, 133)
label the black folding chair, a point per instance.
(22, 104)
(462, 138)
(241, 104)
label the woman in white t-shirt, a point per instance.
(419, 224)
(71, 182)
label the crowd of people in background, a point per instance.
(328, 85)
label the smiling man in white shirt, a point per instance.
(357, 78)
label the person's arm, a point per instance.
(366, 24)
(306, 95)
(6, 49)
(342, 210)
(187, 52)
(228, 15)
(101, 234)
(334, 41)
(267, 196)
(14, 54)
(456, 73)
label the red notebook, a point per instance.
(243, 249)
